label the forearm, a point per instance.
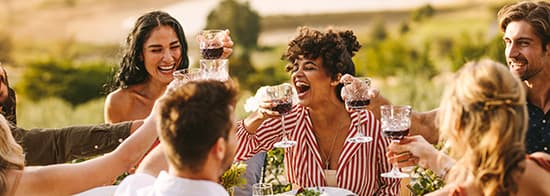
(154, 162)
(423, 123)
(133, 149)
(50, 146)
(252, 122)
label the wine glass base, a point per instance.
(359, 139)
(284, 144)
(395, 175)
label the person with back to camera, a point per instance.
(526, 27)
(196, 128)
(484, 118)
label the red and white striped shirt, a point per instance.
(359, 165)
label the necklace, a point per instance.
(329, 156)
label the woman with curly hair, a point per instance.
(322, 157)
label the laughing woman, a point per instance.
(155, 48)
(320, 123)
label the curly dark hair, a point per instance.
(335, 47)
(132, 69)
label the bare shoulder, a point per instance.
(117, 105)
(535, 179)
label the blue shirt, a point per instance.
(538, 133)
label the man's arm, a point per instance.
(59, 145)
(422, 123)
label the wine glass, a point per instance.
(356, 99)
(184, 75)
(396, 121)
(262, 189)
(211, 43)
(281, 95)
(215, 69)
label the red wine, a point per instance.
(212, 53)
(395, 134)
(358, 104)
(283, 108)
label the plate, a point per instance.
(329, 191)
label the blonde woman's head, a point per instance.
(484, 117)
(11, 153)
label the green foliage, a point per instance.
(495, 49)
(467, 49)
(233, 176)
(243, 22)
(404, 28)
(274, 171)
(388, 57)
(60, 78)
(379, 32)
(424, 12)
(424, 181)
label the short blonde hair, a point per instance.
(11, 153)
(484, 117)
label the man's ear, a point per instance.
(219, 148)
(337, 81)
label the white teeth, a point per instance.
(166, 68)
(301, 84)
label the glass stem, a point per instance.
(284, 128)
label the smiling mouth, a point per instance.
(166, 68)
(302, 87)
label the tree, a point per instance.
(379, 32)
(243, 22)
(424, 12)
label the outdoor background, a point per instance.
(60, 54)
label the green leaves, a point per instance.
(232, 177)
(62, 78)
(424, 181)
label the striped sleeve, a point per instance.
(269, 132)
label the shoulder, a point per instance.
(119, 96)
(132, 183)
(117, 104)
(535, 177)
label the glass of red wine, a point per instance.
(281, 95)
(356, 98)
(396, 121)
(211, 43)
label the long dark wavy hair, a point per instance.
(335, 47)
(9, 105)
(132, 68)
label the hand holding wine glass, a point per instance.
(396, 122)
(356, 97)
(280, 98)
